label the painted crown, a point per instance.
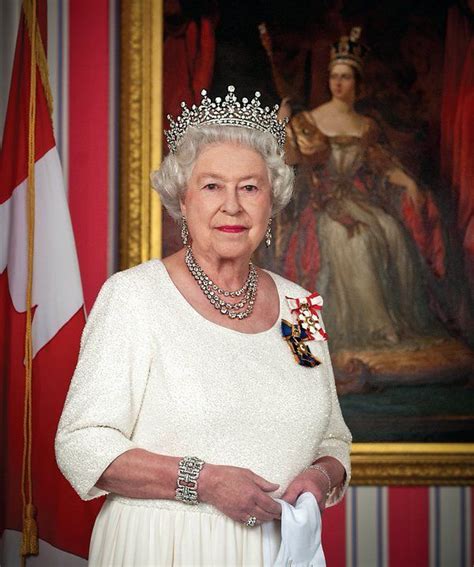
(227, 112)
(349, 50)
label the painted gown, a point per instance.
(355, 238)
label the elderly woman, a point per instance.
(189, 356)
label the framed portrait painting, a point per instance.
(377, 224)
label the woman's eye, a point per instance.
(249, 188)
(211, 186)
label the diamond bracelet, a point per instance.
(325, 473)
(189, 469)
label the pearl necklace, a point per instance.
(239, 310)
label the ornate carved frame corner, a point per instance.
(141, 51)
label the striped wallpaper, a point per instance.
(375, 526)
(401, 527)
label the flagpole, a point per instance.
(29, 544)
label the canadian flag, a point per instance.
(57, 315)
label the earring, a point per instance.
(184, 231)
(268, 233)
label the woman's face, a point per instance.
(342, 82)
(228, 201)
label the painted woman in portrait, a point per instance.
(363, 233)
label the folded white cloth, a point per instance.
(300, 535)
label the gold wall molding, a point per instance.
(412, 464)
(141, 47)
(141, 71)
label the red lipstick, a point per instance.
(231, 228)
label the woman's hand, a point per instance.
(414, 194)
(398, 177)
(310, 480)
(238, 493)
(285, 110)
(266, 39)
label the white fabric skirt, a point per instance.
(137, 536)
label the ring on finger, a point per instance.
(250, 523)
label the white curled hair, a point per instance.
(171, 178)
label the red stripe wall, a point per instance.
(408, 526)
(472, 524)
(88, 138)
(334, 535)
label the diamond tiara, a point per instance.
(227, 112)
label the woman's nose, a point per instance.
(231, 203)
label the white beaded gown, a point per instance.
(153, 373)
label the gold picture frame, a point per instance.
(140, 238)
(141, 32)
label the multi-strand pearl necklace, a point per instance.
(248, 292)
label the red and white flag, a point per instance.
(44, 230)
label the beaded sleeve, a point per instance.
(106, 390)
(337, 440)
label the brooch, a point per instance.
(307, 327)
(305, 310)
(295, 337)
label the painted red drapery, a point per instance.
(457, 124)
(189, 52)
